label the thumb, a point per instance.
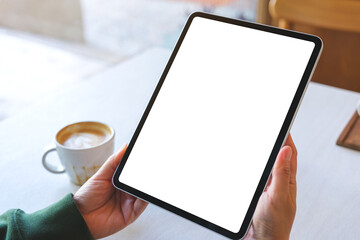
(281, 172)
(108, 168)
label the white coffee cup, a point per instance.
(82, 148)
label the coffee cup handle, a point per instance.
(49, 167)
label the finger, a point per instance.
(293, 169)
(108, 168)
(117, 159)
(293, 162)
(268, 183)
(139, 207)
(289, 141)
(281, 172)
(131, 207)
(292, 182)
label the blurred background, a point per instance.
(49, 45)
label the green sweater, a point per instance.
(61, 220)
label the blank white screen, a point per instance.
(210, 132)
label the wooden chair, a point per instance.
(337, 22)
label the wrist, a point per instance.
(78, 202)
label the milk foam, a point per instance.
(84, 140)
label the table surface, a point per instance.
(328, 175)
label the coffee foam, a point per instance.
(84, 139)
(83, 135)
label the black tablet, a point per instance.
(207, 141)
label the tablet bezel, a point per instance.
(279, 141)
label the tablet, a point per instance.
(207, 141)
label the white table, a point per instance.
(328, 175)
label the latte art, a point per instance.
(84, 135)
(85, 139)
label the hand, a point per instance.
(105, 209)
(275, 211)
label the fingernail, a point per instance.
(288, 154)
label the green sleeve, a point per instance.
(61, 220)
